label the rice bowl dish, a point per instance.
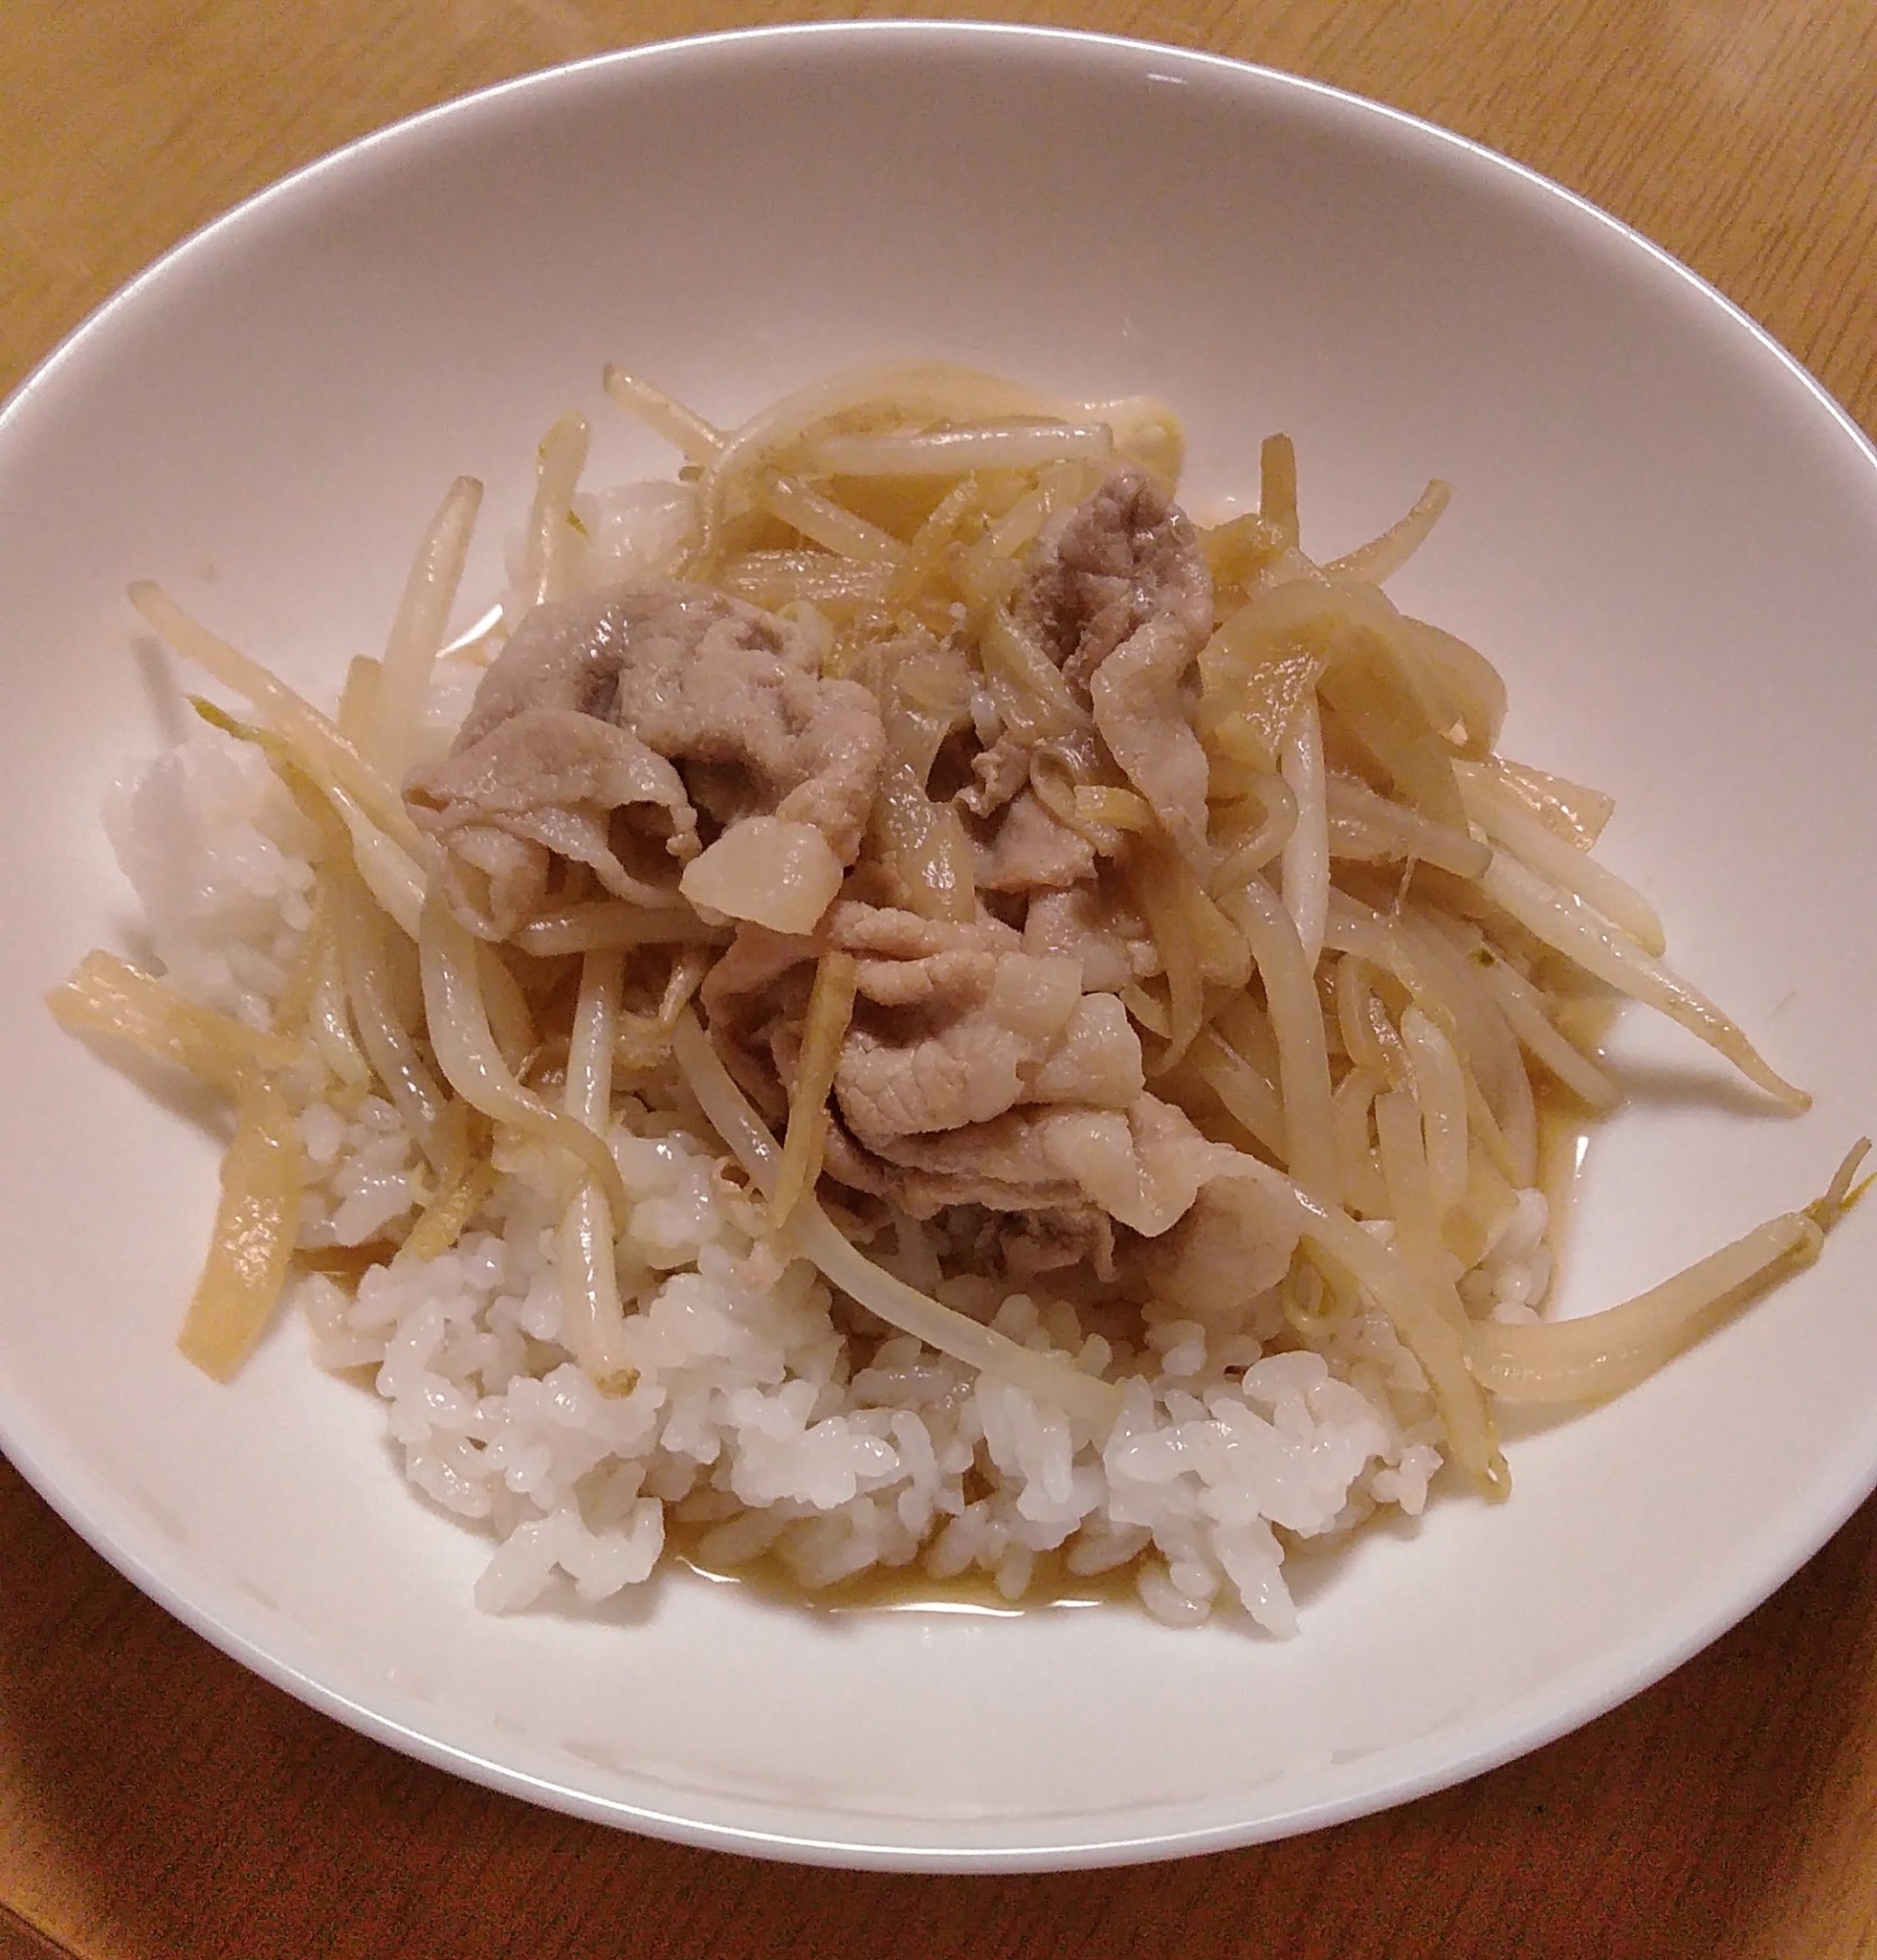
(1023, 793)
(1662, 1190)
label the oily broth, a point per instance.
(884, 1589)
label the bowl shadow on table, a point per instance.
(171, 1803)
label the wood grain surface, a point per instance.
(157, 1800)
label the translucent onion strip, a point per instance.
(1445, 988)
(603, 924)
(1305, 862)
(1302, 1054)
(1525, 1009)
(1248, 851)
(326, 755)
(1426, 1323)
(1490, 1139)
(393, 877)
(1577, 813)
(1031, 693)
(390, 872)
(1602, 1354)
(776, 579)
(951, 452)
(1383, 557)
(105, 994)
(387, 1043)
(458, 1020)
(1098, 806)
(547, 560)
(328, 1023)
(1440, 1093)
(1356, 1019)
(1571, 927)
(511, 1021)
(1156, 879)
(263, 1181)
(1056, 488)
(1249, 1098)
(922, 847)
(440, 1224)
(1364, 1192)
(417, 632)
(1049, 1377)
(827, 523)
(1506, 820)
(1369, 827)
(593, 1318)
(916, 392)
(829, 1010)
(1469, 688)
(1410, 1197)
(295, 997)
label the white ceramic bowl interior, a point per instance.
(1662, 532)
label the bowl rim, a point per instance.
(1068, 41)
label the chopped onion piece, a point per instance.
(782, 875)
(262, 1175)
(1303, 1060)
(105, 994)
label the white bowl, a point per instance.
(1663, 531)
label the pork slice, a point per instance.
(1122, 598)
(753, 998)
(1235, 1243)
(546, 786)
(1095, 1062)
(1029, 849)
(997, 1168)
(1144, 1166)
(887, 932)
(1032, 1243)
(1141, 1166)
(1088, 924)
(950, 1039)
(591, 693)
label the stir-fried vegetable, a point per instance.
(1356, 976)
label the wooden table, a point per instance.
(156, 1800)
